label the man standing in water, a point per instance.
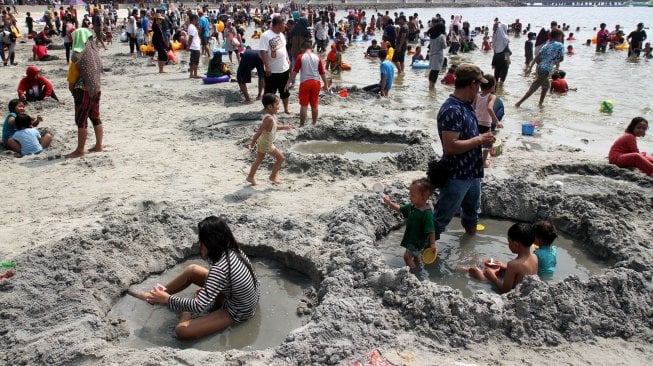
(549, 57)
(272, 47)
(462, 152)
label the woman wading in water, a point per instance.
(229, 289)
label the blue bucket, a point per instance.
(527, 129)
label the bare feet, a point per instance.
(251, 180)
(74, 154)
(275, 180)
(247, 101)
(258, 97)
(517, 105)
(96, 149)
(486, 164)
(141, 295)
(287, 112)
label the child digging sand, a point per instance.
(506, 277)
(265, 136)
(420, 231)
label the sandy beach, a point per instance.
(83, 231)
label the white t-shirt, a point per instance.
(195, 45)
(275, 45)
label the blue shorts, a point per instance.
(462, 195)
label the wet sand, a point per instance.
(85, 230)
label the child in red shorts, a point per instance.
(311, 70)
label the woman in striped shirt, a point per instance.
(229, 290)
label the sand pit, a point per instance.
(84, 231)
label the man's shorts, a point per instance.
(399, 56)
(309, 93)
(541, 80)
(204, 40)
(277, 82)
(86, 107)
(194, 57)
(162, 54)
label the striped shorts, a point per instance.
(86, 107)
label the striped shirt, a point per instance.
(241, 293)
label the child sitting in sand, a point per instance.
(28, 138)
(450, 77)
(420, 231)
(265, 136)
(506, 277)
(624, 152)
(9, 128)
(545, 233)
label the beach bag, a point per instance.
(437, 173)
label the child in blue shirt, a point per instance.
(28, 138)
(420, 231)
(545, 233)
(387, 76)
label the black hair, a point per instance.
(383, 54)
(12, 105)
(545, 231)
(556, 33)
(307, 45)
(423, 185)
(490, 82)
(521, 233)
(277, 20)
(634, 123)
(268, 99)
(193, 17)
(23, 121)
(217, 238)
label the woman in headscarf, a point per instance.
(159, 42)
(437, 45)
(84, 84)
(502, 53)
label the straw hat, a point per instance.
(158, 16)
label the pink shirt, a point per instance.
(309, 66)
(625, 144)
(482, 114)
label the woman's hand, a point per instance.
(158, 297)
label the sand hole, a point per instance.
(593, 184)
(458, 249)
(281, 291)
(352, 150)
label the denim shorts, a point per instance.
(462, 195)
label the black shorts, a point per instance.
(399, 56)
(277, 82)
(204, 40)
(433, 75)
(194, 57)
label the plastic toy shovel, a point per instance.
(429, 255)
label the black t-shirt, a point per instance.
(637, 37)
(373, 51)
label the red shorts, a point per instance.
(309, 93)
(86, 107)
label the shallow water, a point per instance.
(352, 150)
(456, 249)
(565, 119)
(281, 290)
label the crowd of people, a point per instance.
(307, 43)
